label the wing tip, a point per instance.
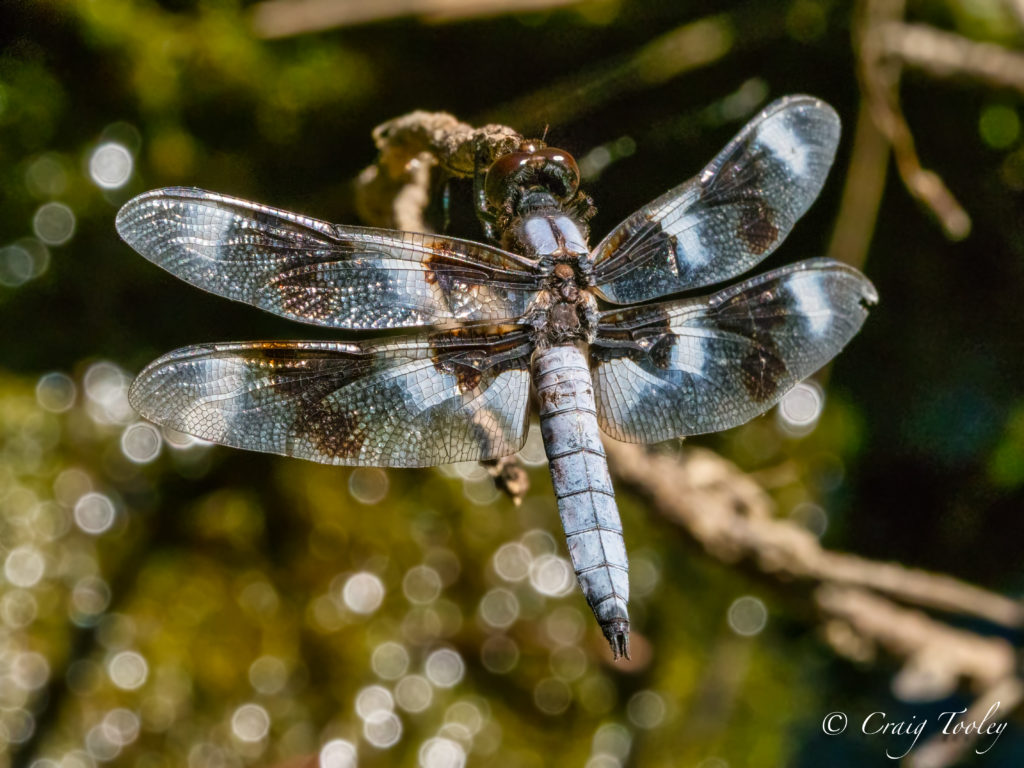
(130, 209)
(801, 99)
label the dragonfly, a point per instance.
(529, 316)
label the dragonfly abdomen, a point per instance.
(586, 501)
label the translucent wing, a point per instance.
(458, 395)
(320, 273)
(710, 363)
(721, 223)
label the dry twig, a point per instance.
(880, 77)
(945, 54)
(286, 18)
(731, 517)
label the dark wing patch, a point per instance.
(433, 399)
(710, 363)
(325, 274)
(721, 223)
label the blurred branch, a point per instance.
(725, 511)
(286, 18)
(862, 191)
(680, 50)
(1016, 9)
(936, 653)
(686, 48)
(945, 54)
(729, 514)
(880, 73)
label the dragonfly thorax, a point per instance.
(566, 311)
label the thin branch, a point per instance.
(880, 76)
(862, 192)
(937, 654)
(286, 18)
(686, 48)
(945, 54)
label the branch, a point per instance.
(286, 18)
(732, 518)
(945, 54)
(880, 75)
(862, 191)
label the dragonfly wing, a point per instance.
(726, 220)
(325, 274)
(448, 396)
(710, 363)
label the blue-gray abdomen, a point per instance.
(579, 473)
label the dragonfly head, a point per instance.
(531, 169)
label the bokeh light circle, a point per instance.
(373, 699)
(268, 675)
(55, 392)
(54, 223)
(390, 660)
(747, 615)
(441, 753)
(801, 407)
(413, 693)
(30, 670)
(121, 726)
(421, 585)
(94, 513)
(110, 165)
(646, 709)
(24, 566)
(552, 696)
(551, 575)
(499, 608)
(338, 753)
(141, 442)
(382, 729)
(444, 668)
(368, 485)
(128, 670)
(250, 722)
(512, 561)
(17, 266)
(612, 739)
(363, 592)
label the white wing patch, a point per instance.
(790, 148)
(687, 231)
(812, 302)
(688, 355)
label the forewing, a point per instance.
(721, 223)
(320, 273)
(458, 395)
(710, 363)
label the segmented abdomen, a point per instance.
(586, 501)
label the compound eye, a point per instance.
(499, 175)
(562, 166)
